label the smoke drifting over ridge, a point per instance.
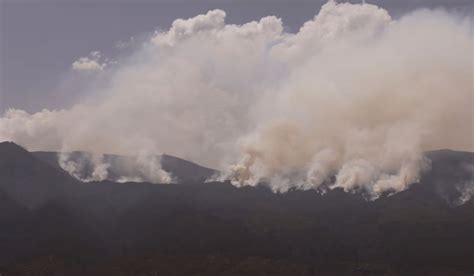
(353, 94)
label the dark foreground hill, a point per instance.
(52, 224)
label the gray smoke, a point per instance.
(78, 167)
(354, 95)
(466, 188)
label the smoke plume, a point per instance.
(78, 168)
(354, 96)
(466, 188)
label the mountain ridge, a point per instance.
(98, 221)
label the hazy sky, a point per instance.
(41, 38)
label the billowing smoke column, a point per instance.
(351, 100)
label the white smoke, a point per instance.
(466, 188)
(467, 192)
(354, 95)
(96, 167)
(77, 167)
(150, 167)
(72, 167)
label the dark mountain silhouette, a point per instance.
(29, 181)
(52, 224)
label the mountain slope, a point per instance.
(28, 180)
(418, 230)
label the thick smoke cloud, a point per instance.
(354, 96)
